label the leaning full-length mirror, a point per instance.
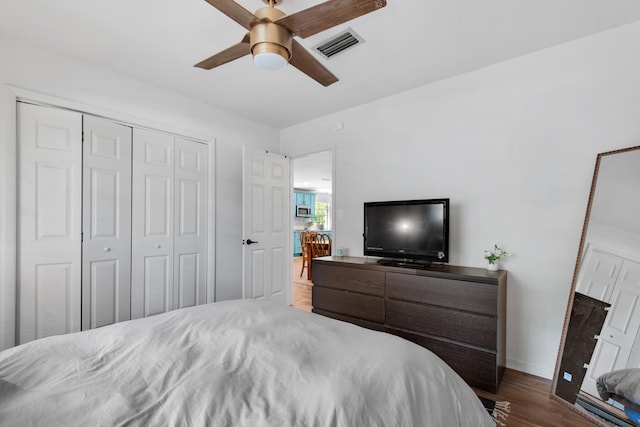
(598, 370)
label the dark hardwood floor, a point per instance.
(531, 402)
(529, 396)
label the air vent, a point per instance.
(340, 43)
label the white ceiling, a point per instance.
(313, 172)
(407, 44)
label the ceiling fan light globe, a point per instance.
(270, 61)
(270, 56)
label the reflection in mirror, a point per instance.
(598, 370)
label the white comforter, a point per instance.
(235, 363)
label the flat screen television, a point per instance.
(411, 230)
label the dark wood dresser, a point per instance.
(459, 313)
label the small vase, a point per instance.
(492, 267)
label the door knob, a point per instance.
(251, 242)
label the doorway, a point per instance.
(312, 188)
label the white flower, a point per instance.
(493, 255)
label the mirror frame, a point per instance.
(576, 270)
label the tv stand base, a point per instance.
(409, 263)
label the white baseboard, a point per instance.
(531, 368)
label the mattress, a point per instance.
(234, 363)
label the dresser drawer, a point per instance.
(361, 306)
(364, 323)
(349, 279)
(461, 295)
(477, 367)
(469, 328)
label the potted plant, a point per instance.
(493, 256)
(319, 221)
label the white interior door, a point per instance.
(265, 225)
(616, 341)
(106, 245)
(49, 216)
(190, 243)
(152, 289)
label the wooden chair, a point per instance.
(305, 238)
(321, 245)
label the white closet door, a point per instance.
(152, 223)
(49, 212)
(106, 246)
(190, 244)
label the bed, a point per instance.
(622, 386)
(233, 363)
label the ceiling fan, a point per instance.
(270, 37)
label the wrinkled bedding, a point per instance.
(623, 382)
(235, 363)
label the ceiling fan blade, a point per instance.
(318, 18)
(234, 11)
(236, 51)
(305, 62)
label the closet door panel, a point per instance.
(157, 284)
(103, 288)
(190, 270)
(49, 221)
(188, 277)
(106, 263)
(152, 288)
(54, 300)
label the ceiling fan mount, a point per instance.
(271, 34)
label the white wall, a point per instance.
(513, 145)
(52, 78)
